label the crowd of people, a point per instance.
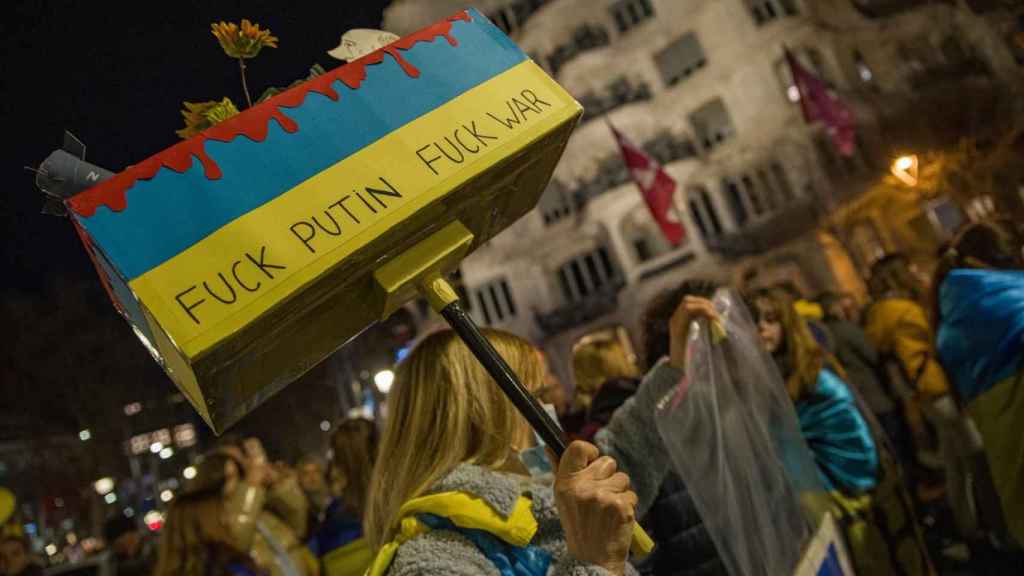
(907, 405)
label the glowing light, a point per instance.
(166, 496)
(153, 520)
(383, 380)
(103, 485)
(156, 447)
(325, 425)
(51, 549)
(129, 512)
(84, 435)
(189, 472)
(110, 498)
(166, 453)
(904, 169)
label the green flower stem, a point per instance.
(245, 86)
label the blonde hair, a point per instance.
(444, 410)
(597, 359)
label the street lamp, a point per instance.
(110, 498)
(104, 485)
(156, 447)
(166, 496)
(84, 435)
(383, 380)
(904, 168)
(166, 453)
(189, 472)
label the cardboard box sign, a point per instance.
(244, 256)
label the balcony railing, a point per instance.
(585, 37)
(779, 228)
(884, 8)
(581, 312)
(612, 172)
(619, 93)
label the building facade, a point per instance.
(702, 85)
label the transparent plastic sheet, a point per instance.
(732, 435)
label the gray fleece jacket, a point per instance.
(631, 438)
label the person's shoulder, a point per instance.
(830, 385)
(441, 552)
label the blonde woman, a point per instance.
(595, 359)
(606, 374)
(449, 495)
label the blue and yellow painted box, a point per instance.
(244, 255)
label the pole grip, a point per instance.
(527, 405)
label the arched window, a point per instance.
(642, 235)
(587, 274)
(704, 213)
(735, 199)
(753, 193)
(771, 193)
(782, 181)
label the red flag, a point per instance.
(819, 103)
(656, 186)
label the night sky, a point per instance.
(116, 78)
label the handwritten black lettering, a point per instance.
(234, 272)
(426, 161)
(234, 296)
(306, 239)
(188, 308)
(262, 265)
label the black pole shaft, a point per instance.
(496, 366)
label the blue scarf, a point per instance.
(838, 436)
(981, 335)
(508, 559)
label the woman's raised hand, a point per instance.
(690, 309)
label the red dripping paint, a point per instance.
(254, 123)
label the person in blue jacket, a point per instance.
(978, 299)
(856, 468)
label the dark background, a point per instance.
(115, 75)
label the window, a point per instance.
(620, 92)
(640, 232)
(585, 37)
(863, 70)
(629, 13)
(680, 59)
(511, 17)
(495, 301)
(698, 217)
(753, 193)
(666, 147)
(771, 193)
(555, 204)
(764, 11)
(588, 274)
(735, 199)
(782, 181)
(712, 124)
(704, 213)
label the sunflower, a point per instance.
(243, 41)
(201, 115)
